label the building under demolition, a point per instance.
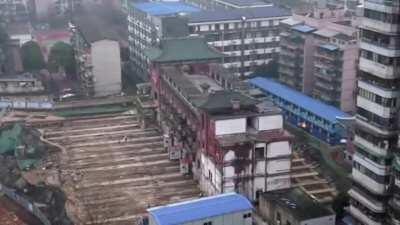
(224, 138)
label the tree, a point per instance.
(269, 70)
(339, 203)
(61, 56)
(32, 57)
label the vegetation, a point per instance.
(61, 57)
(3, 40)
(339, 203)
(32, 57)
(269, 70)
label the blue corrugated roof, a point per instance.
(303, 28)
(165, 8)
(330, 47)
(193, 210)
(297, 98)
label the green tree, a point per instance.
(32, 57)
(61, 56)
(339, 203)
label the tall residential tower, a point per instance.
(375, 193)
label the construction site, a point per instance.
(111, 168)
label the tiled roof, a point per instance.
(182, 49)
(180, 213)
(299, 99)
(238, 14)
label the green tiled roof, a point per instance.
(182, 49)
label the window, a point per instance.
(259, 152)
(247, 215)
(278, 217)
(209, 175)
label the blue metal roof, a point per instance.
(329, 47)
(165, 8)
(198, 209)
(303, 28)
(297, 98)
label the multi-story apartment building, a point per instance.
(228, 4)
(375, 191)
(98, 62)
(148, 22)
(13, 11)
(223, 137)
(248, 37)
(42, 8)
(318, 56)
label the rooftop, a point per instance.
(238, 14)
(301, 206)
(198, 209)
(291, 22)
(246, 3)
(303, 28)
(182, 49)
(314, 106)
(326, 33)
(329, 47)
(165, 8)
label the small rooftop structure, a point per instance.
(326, 33)
(329, 47)
(298, 205)
(319, 108)
(304, 28)
(165, 8)
(180, 213)
(238, 14)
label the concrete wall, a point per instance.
(349, 78)
(269, 122)
(106, 61)
(276, 149)
(231, 126)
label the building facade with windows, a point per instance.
(219, 134)
(148, 23)
(304, 112)
(375, 191)
(248, 37)
(319, 56)
(13, 11)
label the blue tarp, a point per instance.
(303, 28)
(198, 209)
(165, 8)
(299, 99)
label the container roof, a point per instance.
(165, 8)
(303, 28)
(180, 213)
(314, 106)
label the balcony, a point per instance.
(379, 70)
(378, 129)
(359, 215)
(368, 182)
(379, 48)
(381, 91)
(379, 169)
(375, 108)
(377, 25)
(372, 204)
(368, 145)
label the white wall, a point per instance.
(278, 166)
(327, 220)
(106, 62)
(276, 149)
(270, 122)
(231, 126)
(213, 185)
(278, 182)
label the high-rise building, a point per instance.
(318, 56)
(375, 193)
(13, 10)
